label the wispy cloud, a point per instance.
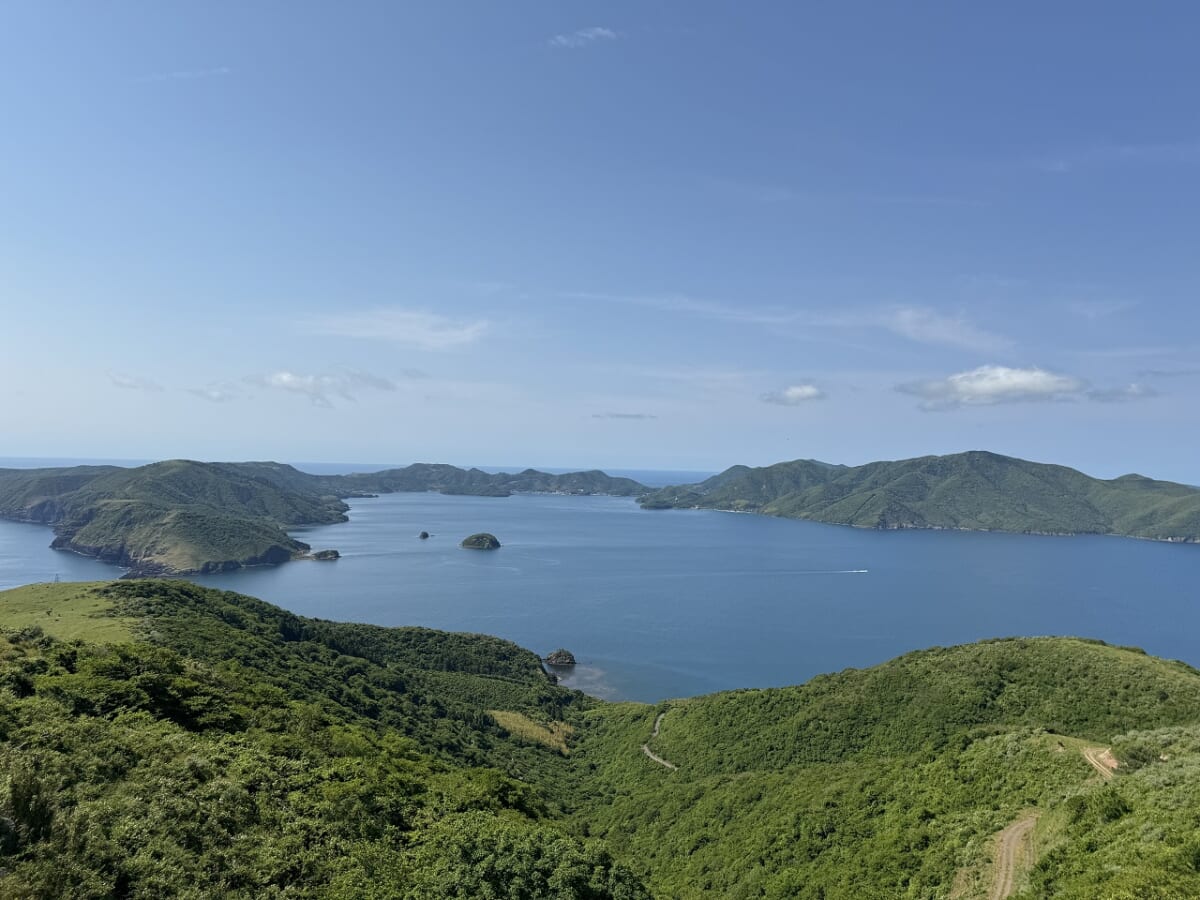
(413, 328)
(922, 324)
(794, 395)
(133, 382)
(1180, 152)
(707, 309)
(1124, 394)
(189, 74)
(704, 378)
(928, 326)
(1168, 373)
(217, 392)
(581, 38)
(990, 385)
(771, 194)
(623, 415)
(322, 389)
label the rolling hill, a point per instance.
(975, 490)
(162, 739)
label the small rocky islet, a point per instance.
(481, 541)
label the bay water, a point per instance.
(670, 603)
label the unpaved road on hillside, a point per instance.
(1102, 760)
(1013, 856)
(650, 753)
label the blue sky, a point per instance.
(676, 235)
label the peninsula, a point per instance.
(184, 517)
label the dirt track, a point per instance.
(1012, 856)
(650, 753)
(1101, 759)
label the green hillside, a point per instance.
(975, 490)
(201, 743)
(240, 751)
(167, 518)
(892, 781)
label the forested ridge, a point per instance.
(975, 490)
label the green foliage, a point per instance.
(881, 782)
(1135, 837)
(975, 490)
(248, 753)
(239, 750)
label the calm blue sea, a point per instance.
(676, 603)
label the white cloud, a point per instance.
(133, 382)
(1123, 394)
(990, 385)
(413, 328)
(582, 38)
(322, 389)
(794, 395)
(623, 415)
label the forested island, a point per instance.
(183, 517)
(975, 490)
(162, 739)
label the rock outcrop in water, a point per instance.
(481, 541)
(561, 657)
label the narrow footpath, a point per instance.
(650, 753)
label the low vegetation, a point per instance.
(161, 739)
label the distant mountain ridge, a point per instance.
(976, 490)
(180, 516)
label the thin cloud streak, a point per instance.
(133, 382)
(322, 389)
(1126, 394)
(414, 328)
(921, 324)
(581, 38)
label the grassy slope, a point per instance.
(883, 782)
(67, 611)
(975, 490)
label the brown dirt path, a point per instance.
(1013, 856)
